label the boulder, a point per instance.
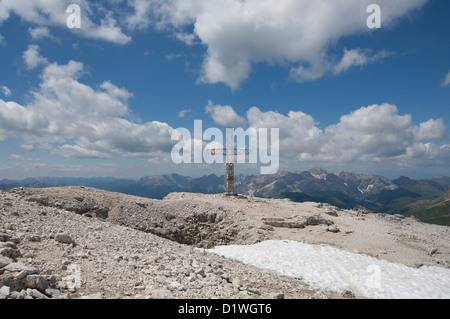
(4, 261)
(4, 292)
(64, 238)
(36, 294)
(317, 220)
(333, 229)
(10, 252)
(280, 222)
(5, 237)
(37, 282)
(19, 267)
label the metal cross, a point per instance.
(230, 151)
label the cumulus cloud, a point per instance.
(108, 30)
(38, 33)
(5, 91)
(48, 13)
(433, 130)
(298, 131)
(140, 18)
(240, 33)
(376, 131)
(236, 33)
(224, 115)
(72, 119)
(357, 57)
(370, 134)
(32, 57)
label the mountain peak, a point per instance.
(402, 180)
(318, 172)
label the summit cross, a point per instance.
(230, 152)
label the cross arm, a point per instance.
(224, 151)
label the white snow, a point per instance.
(333, 269)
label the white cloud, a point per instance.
(5, 90)
(236, 33)
(140, 19)
(240, 33)
(183, 113)
(310, 72)
(188, 38)
(433, 130)
(298, 131)
(376, 131)
(446, 80)
(224, 115)
(357, 57)
(108, 30)
(116, 92)
(45, 13)
(32, 58)
(39, 33)
(72, 119)
(2, 40)
(16, 157)
(370, 134)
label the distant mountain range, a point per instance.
(426, 199)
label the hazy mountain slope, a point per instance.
(364, 184)
(441, 182)
(210, 184)
(432, 211)
(422, 187)
(421, 198)
(155, 186)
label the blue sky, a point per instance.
(104, 99)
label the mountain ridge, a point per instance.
(343, 189)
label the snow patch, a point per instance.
(328, 268)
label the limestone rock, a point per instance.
(64, 238)
(95, 296)
(19, 267)
(161, 293)
(37, 282)
(4, 292)
(4, 237)
(333, 229)
(36, 294)
(10, 252)
(4, 261)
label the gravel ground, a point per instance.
(76, 256)
(77, 242)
